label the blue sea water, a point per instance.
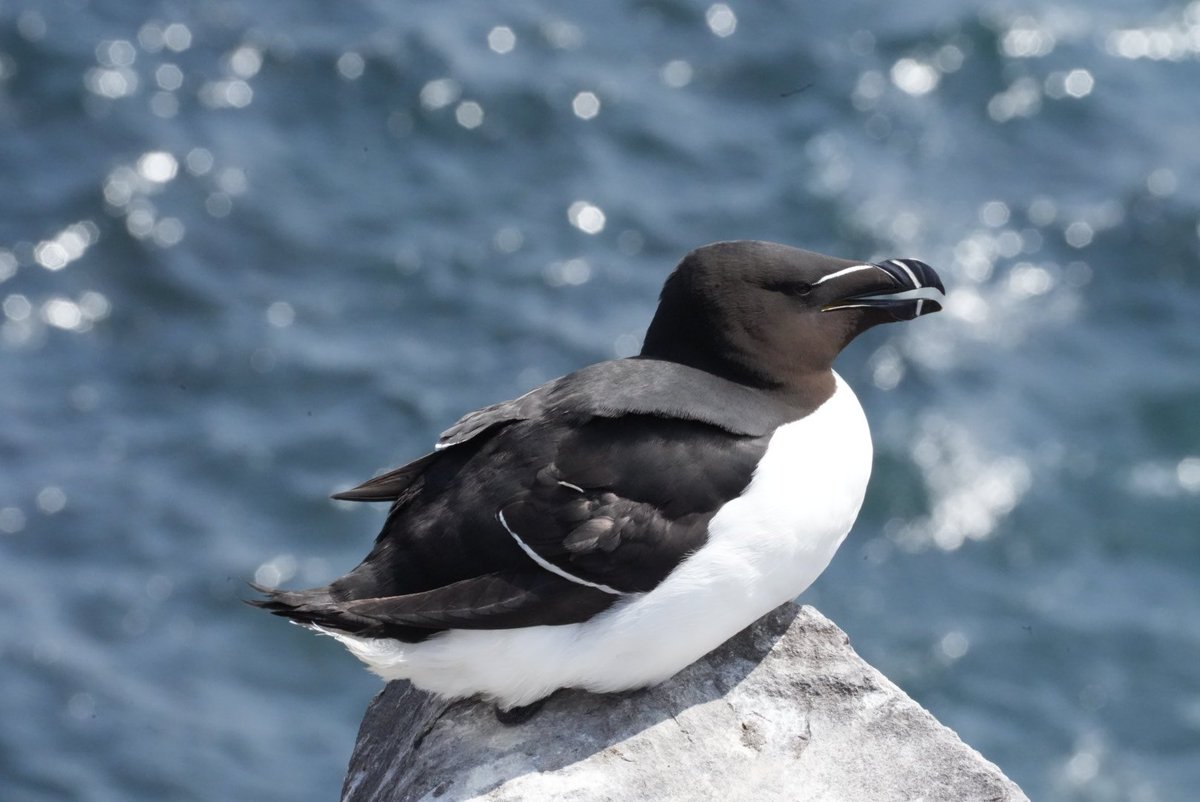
(252, 253)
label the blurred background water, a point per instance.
(251, 253)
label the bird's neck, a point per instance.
(802, 389)
(808, 390)
(699, 339)
(719, 359)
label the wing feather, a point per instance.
(546, 509)
(493, 601)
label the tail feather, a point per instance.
(392, 485)
(280, 599)
(317, 608)
(492, 601)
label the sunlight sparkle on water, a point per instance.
(111, 82)
(31, 25)
(1160, 479)
(140, 220)
(627, 345)
(1079, 234)
(119, 186)
(51, 499)
(66, 246)
(1026, 39)
(199, 161)
(177, 37)
(62, 313)
(1187, 472)
(501, 39)
(949, 58)
(157, 166)
(12, 520)
(572, 272)
(8, 265)
(1082, 768)
(1162, 182)
(1073, 84)
(350, 65)
(676, 74)
(954, 645)
(16, 307)
(440, 92)
(150, 36)
(562, 35)
(508, 239)
(227, 94)
(78, 316)
(168, 77)
(968, 305)
(721, 20)
(276, 571)
(168, 232)
(994, 214)
(586, 216)
(1174, 41)
(116, 53)
(887, 368)
(1078, 83)
(971, 490)
(469, 114)
(164, 104)
(1023, 98)
(232, 180)
(281, 314)
(586, 105)
(1042, 211)
(914, 77)
(95, 305)
(1026, 279)
(245, 62)
(868, 90)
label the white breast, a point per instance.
(765, 547)
(805, 496)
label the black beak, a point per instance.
(904, 288)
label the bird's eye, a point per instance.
(794, 288)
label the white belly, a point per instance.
(765, 547)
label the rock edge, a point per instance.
(784, 710)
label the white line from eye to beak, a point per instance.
(845, 271)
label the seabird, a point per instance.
(610, 527)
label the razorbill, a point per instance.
(608, 528)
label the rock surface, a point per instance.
(785, 710)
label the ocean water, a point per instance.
(252, 253)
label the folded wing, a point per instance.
(533, 514)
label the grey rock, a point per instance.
(786, 710)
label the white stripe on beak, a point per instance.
(911, 276)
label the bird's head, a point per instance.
(773, 316)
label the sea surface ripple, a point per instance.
(251, 253)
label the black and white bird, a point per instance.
(607, 529)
